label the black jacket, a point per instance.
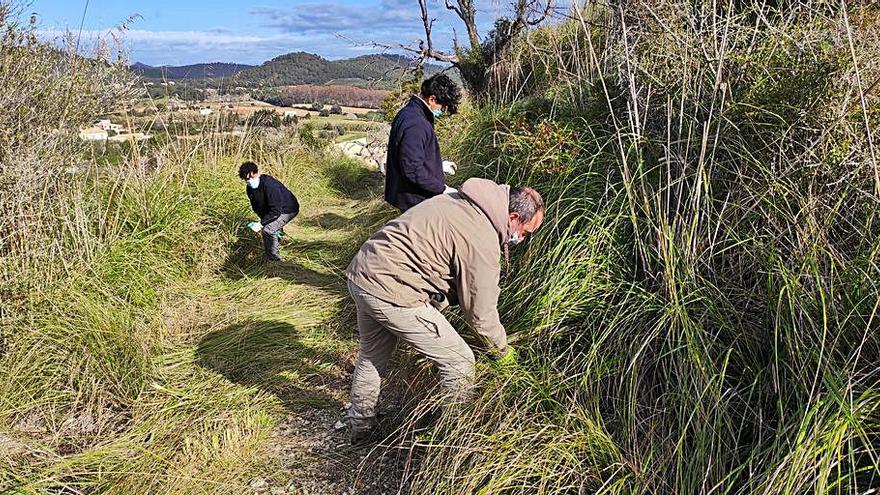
(270, 199)
(414, 170)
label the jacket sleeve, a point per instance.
(478, 295)
(254, 205)
(413, 159)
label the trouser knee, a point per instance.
(459, 372)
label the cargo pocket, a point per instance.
(430, 325)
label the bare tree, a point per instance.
(475, 62)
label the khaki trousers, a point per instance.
(381, 325)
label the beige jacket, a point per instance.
(449, 244)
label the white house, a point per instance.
(106, 125)
(137, 136)
(93, 134)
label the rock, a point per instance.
(259, 484)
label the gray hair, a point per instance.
(525, 201)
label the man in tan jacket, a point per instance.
(446, 248)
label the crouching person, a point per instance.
(448, 246)
(272, 202)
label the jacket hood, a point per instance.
(494, 200)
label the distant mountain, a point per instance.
(380, 71)
(195, 71)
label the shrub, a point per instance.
(373, 116)
(309, 140)
(265, 118)
(41, 119)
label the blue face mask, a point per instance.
(438, 113)
(254, 183)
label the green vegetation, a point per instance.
(145, 347)
(215, 70)
(166, 353)
(699, 313)
(369, 71)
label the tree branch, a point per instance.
(454, 9)
(427, 23)
(547, 9)
(521, 19)
(426, 46)
(465, 11)
(420, 52)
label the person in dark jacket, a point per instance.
(272, 202)
(414, 169)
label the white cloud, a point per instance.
(327, 27)
(213, 37)
(184, 47)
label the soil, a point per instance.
(314, 456)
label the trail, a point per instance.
(291, 343)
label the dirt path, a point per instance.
(301, 352)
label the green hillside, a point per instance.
(380, 71)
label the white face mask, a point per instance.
(254, 183)
(514, 238)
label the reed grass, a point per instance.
(699, 311)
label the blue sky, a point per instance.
(180, 32)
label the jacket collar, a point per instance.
(417, 100)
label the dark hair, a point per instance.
(525, 201)
(441, 87)
(247, 168)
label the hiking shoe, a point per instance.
(360, 430)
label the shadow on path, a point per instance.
(245, 259)
(272, 356)
(330, 221)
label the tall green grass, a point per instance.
(103, 386)
(699, 313)
(144, 349)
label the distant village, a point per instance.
(105, 130)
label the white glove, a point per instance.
(450, 190)
(255, 226)
(449, 167)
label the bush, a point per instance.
(309, 140)
(373, 116)
(265, 118)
